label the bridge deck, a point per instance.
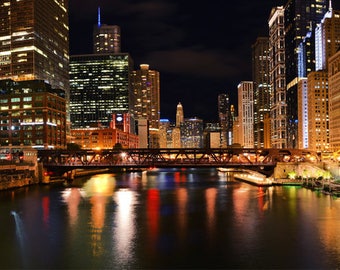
(258, 159)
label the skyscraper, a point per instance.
(225, 120)
(100, 87)
(106, 38)
(327, 36)
(334, 101)
(34, 53)
(34, 44)
(176, 131)
(278, 103)
(32, 114)
(146, 89)
(299, 15)
(100, 82)
(318, 113)
(260, 73)
(179, 114)
(246, 113)
(192, 133)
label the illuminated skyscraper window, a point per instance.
(100, 87)
(34, 43)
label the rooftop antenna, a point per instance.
(99, 23)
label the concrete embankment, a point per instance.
(17, 175)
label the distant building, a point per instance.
(103, 138)
(165, 134)
(143, 133)
(334, 101)
(32, 114)
(212, 135)
(100, 87)
(122, 121)
(225, 120)
(106, 38)
(176, 131)
(261, 79)
(278, 111)
(303, 111)
(318, 114)
(237, 139)
(267, 131)
(176, 137)
(192, 133)
(327, 36)
(35, 42)
(299, 17)
(146, 90)
(246, 113)
(179, 115)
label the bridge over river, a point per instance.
(58, 162)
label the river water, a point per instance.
(168, 219)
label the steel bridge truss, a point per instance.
(260, 159)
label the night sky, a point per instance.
(201, 49)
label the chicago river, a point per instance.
(169, 218)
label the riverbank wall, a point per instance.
(17, 175)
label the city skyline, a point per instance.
(198, 59)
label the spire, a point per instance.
(330, 8)
(99, 23)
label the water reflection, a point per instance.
(99, 188)
(170, 219)
(72, 197)
(125, 229)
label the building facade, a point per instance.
(327, 38)
(318, 113)
(334, 101)
(303, 114)
(192, 133)
(34, 44)
(103, 138)
(278, 111)
(106, 38)
(146, 90)
(299, 16)
(100, 87)
(261, 79)
(32, 113)
(246, 113)
(225, 121)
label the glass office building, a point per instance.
(100, 87)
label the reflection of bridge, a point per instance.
(262, 160)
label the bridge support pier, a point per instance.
(70, 175)
(45, 176)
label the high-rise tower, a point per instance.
(260, 72)
(278, 103)
(179, 115)
(106, 38)
(327, 38)
(100, 87)
(34, 44)
(101, 90)
(225, 120)
(146, 88)
(334, 101)
(246, 113)
(299, 15)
